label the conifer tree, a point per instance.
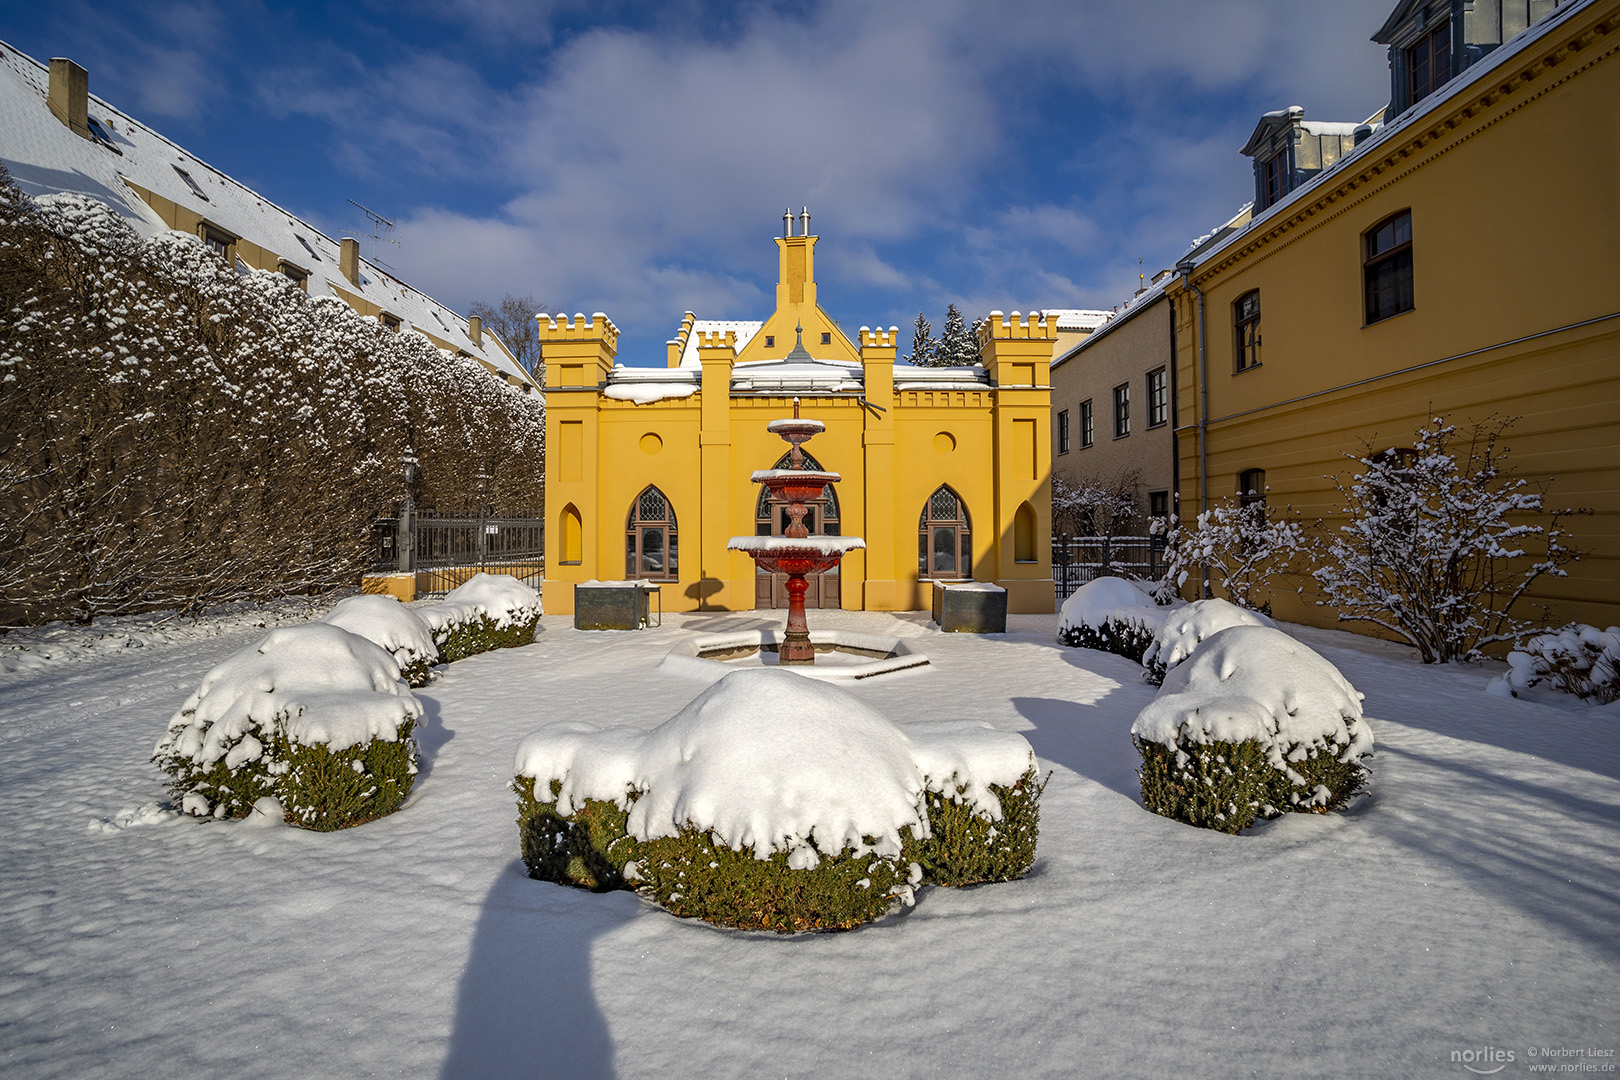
(958, 346)
(924, 349)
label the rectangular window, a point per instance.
(1428, 63)
(1252, 487)
(1086, 424)
(190, 183)
(770, 341)
(1387, 270)
(1063, 431)
(1158, 504)
(1158, 397)
(1275, 175)
(220, 243)
(1122, 410)
(390, 321)
(1246, 318)
(826, 339)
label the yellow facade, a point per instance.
(894, 434)
(1515, 222)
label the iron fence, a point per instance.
(1079, 559)
(446, 547)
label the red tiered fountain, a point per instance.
(796, 553)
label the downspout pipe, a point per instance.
(1186, 267)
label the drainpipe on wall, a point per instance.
(1186, 269)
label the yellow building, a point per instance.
(945, 471)
(1462, 259)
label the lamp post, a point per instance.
(405, 536)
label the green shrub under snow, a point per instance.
(1252, 725)
(312, 716)
(774, 802)
(1111, 615)
(384, 621)
(695, 875)
(488, 611)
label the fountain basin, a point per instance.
(851, 655)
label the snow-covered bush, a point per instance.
(487, 611)
(1112, 615)
(383, 620)
(1246, 550)
(1254, 724)
(1579, 659)
(174, 434)
(777, 802)
(312, 716)
(1438, 547)
(1184, 628)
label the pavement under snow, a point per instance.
(1472, 901)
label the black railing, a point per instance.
(1079, 559)
(446, 547)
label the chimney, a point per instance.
(475, 330)
(1363, 132)
(349, 260)
(69, 96)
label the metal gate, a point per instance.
(445, 548)
(1079, 559)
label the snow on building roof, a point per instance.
(1077, 318)
(744, 328)
(44, 155)
(1483, 71)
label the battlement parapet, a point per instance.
(880, 338)
(716, 339)
(1016, 326)
(597, 328)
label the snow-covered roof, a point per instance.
(1483, 71)
(1077, 318)
(44, 155)
(912, 377)
(1133, 307)
(745, 329)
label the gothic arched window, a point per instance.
(650, 547)
(821, 514)
(944, 537)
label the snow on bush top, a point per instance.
(383, 620)
(772, 760)
(500, 597)
(1256, 682)
(1184, 628)
(1577, 659)
(1108, 599)
(326, 686)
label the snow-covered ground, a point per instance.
(1472, 901)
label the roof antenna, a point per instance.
(377, 221)
(787, 222)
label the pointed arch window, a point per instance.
(944, 536)
(821, 515)
(650, 543)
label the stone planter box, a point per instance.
(613, 605)
(970, 607)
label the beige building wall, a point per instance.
(1511, 185)
(1122, 353)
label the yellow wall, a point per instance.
(1516, 235)
(890, 458)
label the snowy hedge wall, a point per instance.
(487, 611)
(775, 802)
(174, 433)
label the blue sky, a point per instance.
(635, 158)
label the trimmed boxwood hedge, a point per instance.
(1126, 638)
(460, 639)
(1227, 786)
(319, 788)
(694, 876)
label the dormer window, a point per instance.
(295, 273)
(1273, 179)
(390, 321)
(190, 183)
(1428, 63)
(219, 241)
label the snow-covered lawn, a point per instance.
(1472, 901)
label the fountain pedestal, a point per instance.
(796, 553)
